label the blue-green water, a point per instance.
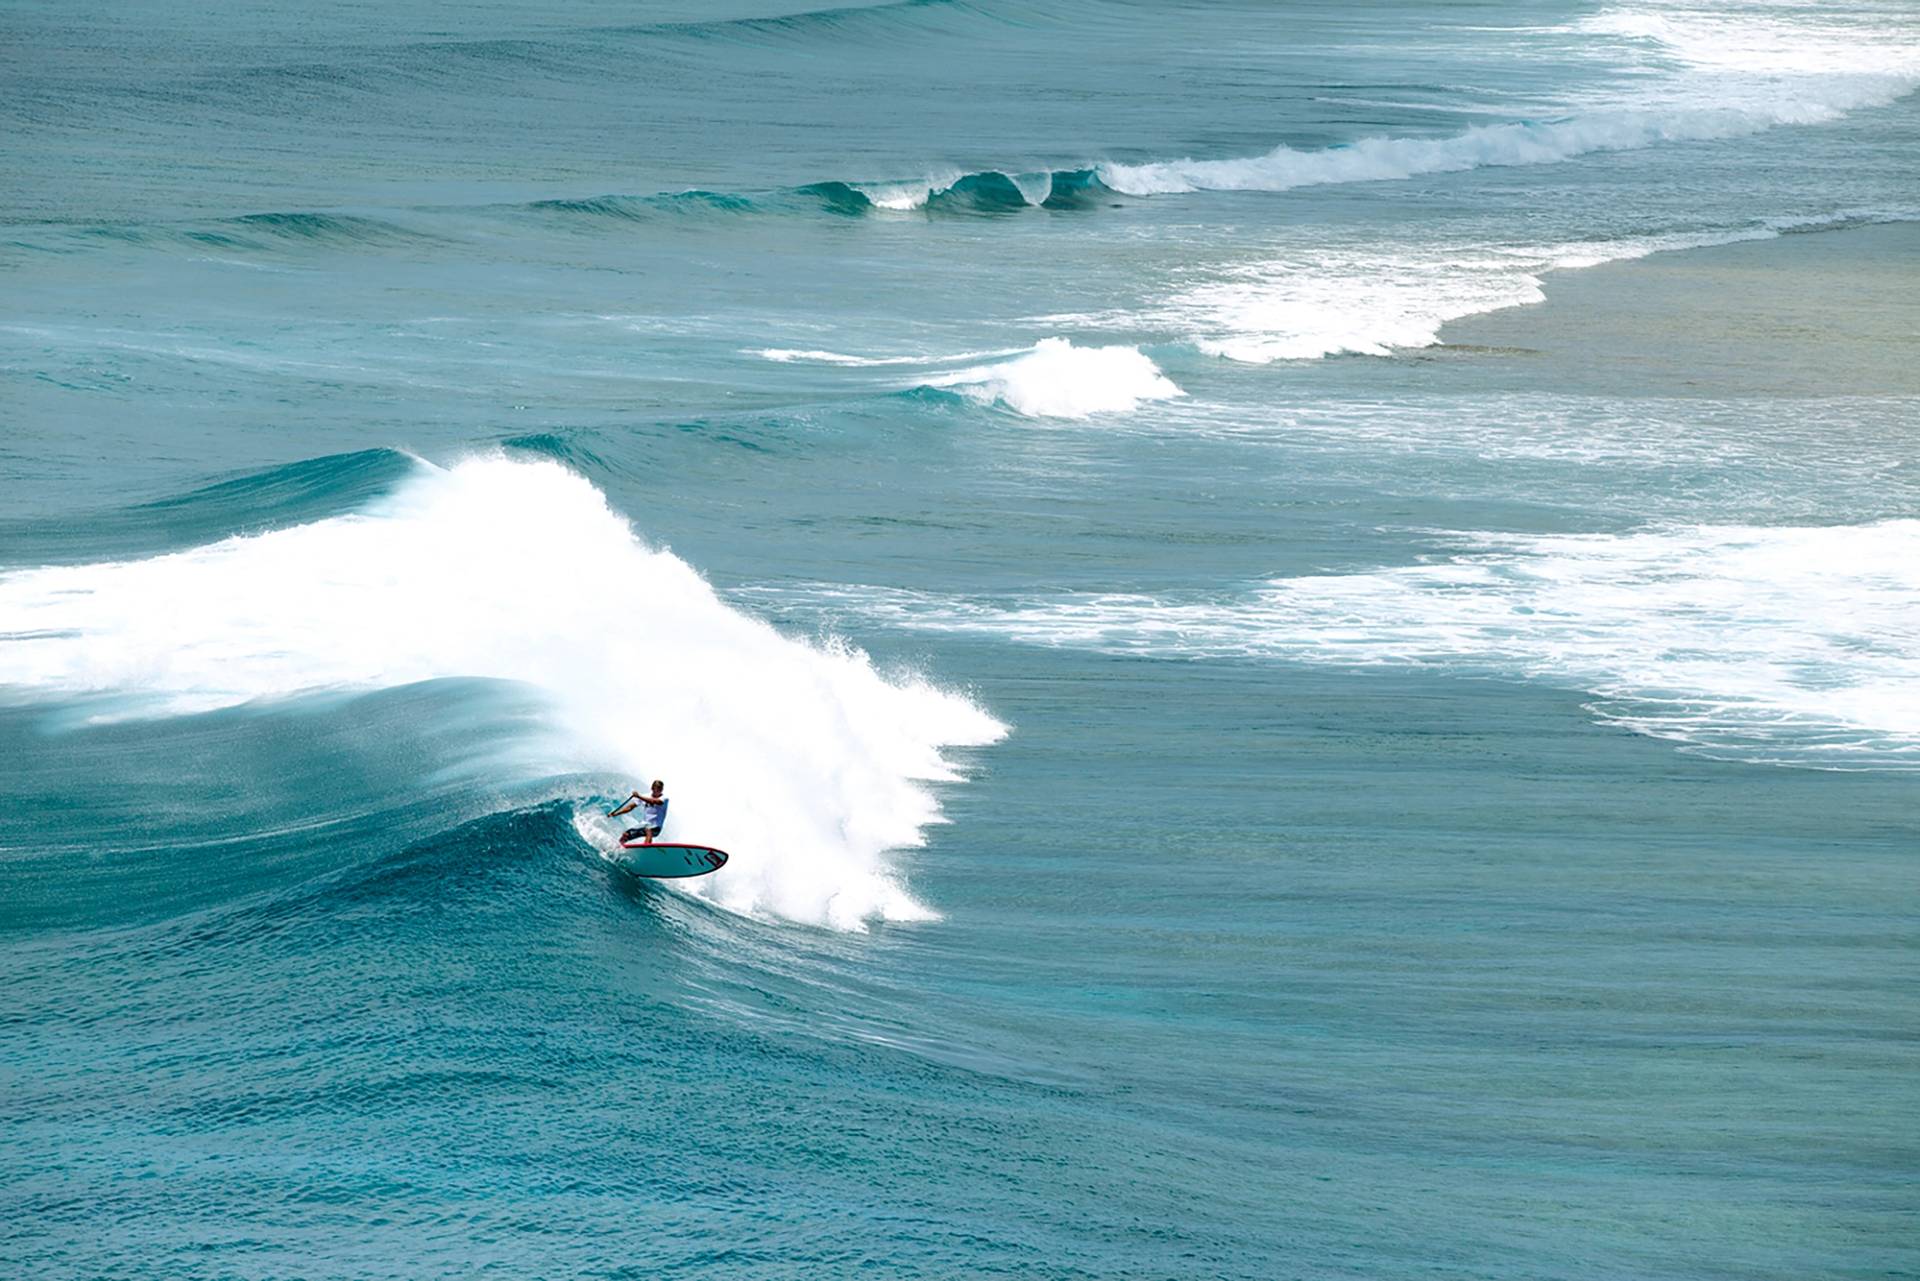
(1217, 785)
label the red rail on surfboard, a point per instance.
(669, 858)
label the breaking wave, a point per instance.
(801, 759)
(1059, 380)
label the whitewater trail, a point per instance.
(803, 761)
(1778, 645)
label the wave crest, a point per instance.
(1059, 380)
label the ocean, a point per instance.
(1302, 622)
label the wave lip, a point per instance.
(988, 191)
(1059, 380)
(802, 760)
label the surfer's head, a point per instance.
(658, 787)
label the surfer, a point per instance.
(653, 814)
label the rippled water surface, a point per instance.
(1230, 770)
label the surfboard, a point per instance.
(664, 858)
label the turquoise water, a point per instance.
(1217, 785)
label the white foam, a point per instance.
(801, 760)
(1844, 55)
(1377, 298)
(1718, 71)
(1330, 301)
(1790, 645)
(901, 196)
(1059, 380)
(1035, 188)
(1693, 71)
(1386, 159)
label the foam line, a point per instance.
(1375, 299)
(1785, 645)
(1717, 71)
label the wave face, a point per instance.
(800, 759)
(987, 191)
(950, 192)
(1777, 645)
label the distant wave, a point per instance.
(257, 233)
(1716, 72)
(1052, 379)
(1710, 76)
(1693, 72)
(995, 192)
(1059, 380)
(984, 194)
(801, 759)
(992, 191)
(642, 208)
(959, 194)
(828, 21)
(308, 75)
(1484, 146)
(1778, 645)
(326, 227)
